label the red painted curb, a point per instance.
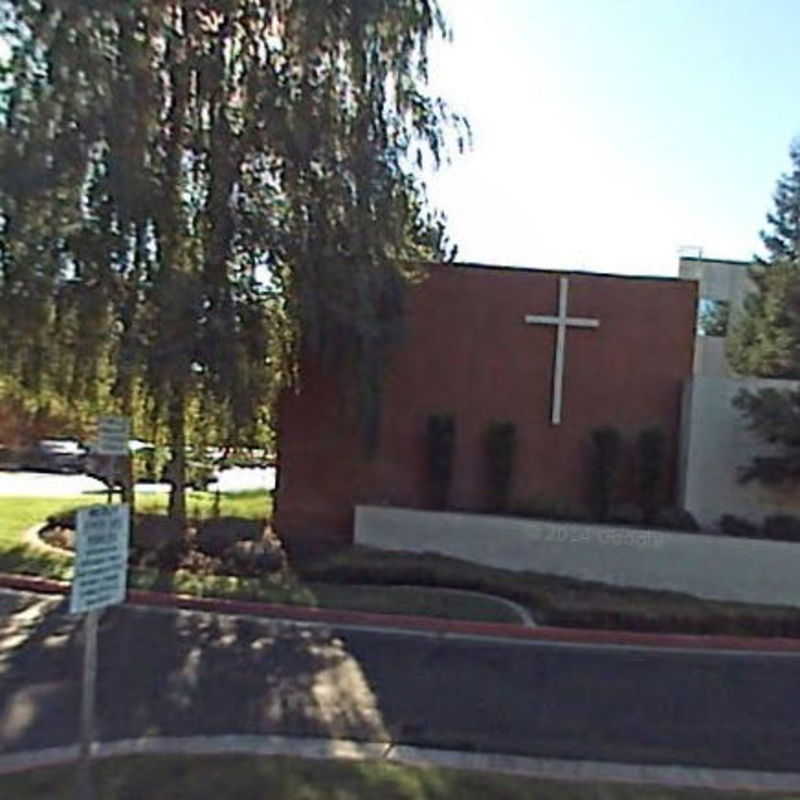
(400, 622)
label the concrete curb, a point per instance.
(426, 625)
(552, 768)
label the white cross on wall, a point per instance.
(562, 322)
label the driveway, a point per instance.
(178, 673)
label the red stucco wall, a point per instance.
(469, 352)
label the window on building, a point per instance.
(712, 317)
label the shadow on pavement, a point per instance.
(170, 673)
(180, 674)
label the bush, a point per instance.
(674, 518)
(63, 519)
(500, 447)
(216, 536)
(58, 537)
(651, 446)
(782, 527)
(441, 434)
(156, 532)
(626, 514)
(731, 525)
(603, 469)
(538, 507)
(251, 559)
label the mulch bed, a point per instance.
(217, 546)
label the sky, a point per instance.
(607, 134)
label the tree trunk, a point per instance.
(177, 466)
(128, 477)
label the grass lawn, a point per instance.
(251, 504)
(419, 601)
(18, 514)
(338, 581)
(253, 778)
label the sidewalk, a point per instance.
(551, 768)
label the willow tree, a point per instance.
(197, 193)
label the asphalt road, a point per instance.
(191, 673)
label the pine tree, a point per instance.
(765, 340)
(782, 241)
(195, 194)
(765, 335)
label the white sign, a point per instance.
(101, 557)
(113, 434)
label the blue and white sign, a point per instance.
(101, 557)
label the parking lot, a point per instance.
(24, 483)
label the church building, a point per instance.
(557, 354)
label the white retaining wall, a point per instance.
(708, 566)
(716, 444)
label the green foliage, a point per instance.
(604, 462)
(560, 601)
(782, 527)
(414, 601)
(650, 463)
(774, 416)
(626, 514)
(500, 449)
(782, 241)
(170, 777)
(675, 518)
(216, 535)
(195, 196)
(541, 507)
(777, 527)
(732, 525)
(765, 341)
(441, 441)
(765, 336)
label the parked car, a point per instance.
(54, 455)
(113, 470)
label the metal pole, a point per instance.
(85, 783)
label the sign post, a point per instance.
(112, 448)
(101, 565)
(88, 683)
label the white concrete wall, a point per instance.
(708, 566)
(710, 357)
(717, 280)
(715, 445)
